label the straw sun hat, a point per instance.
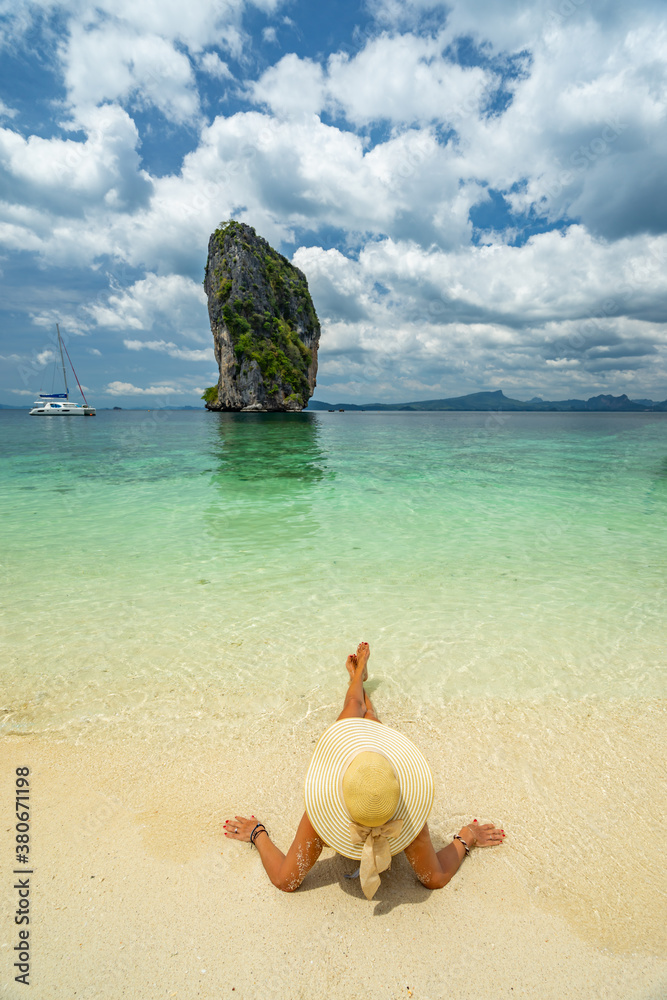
(368, 794)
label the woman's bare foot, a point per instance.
(363, 653)
(351, 665)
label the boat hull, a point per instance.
(62, 411)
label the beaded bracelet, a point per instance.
(257, 829)
(467, 849)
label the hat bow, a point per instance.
(375, 854)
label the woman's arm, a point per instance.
(434, 870)
(286, 871)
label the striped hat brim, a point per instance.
(333, 754)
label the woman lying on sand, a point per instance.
(368, 794)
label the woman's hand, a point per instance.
(486, 835)
(240, 828)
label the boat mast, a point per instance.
(75, 374)
(60, 344)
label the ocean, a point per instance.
(503, 555)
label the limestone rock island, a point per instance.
(265, 328)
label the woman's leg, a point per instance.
(370, 711)
(357, 704)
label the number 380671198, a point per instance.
(22, 813)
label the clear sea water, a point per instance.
(148, 556)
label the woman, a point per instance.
(368, 793)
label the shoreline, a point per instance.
(134, 878)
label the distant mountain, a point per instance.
(499, 401)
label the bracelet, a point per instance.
(257, 829)
(255, 832)
(467, 849)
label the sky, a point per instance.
(476, 191)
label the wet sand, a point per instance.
(137, 893)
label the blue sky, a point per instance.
(477, 192)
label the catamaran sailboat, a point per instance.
(57, 403)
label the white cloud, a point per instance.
(284, 174)
(172, 350)
(404, 79)
(121, 64)
(6, 111)
(583, 135)
(211, 63)
(170, 301)
(292, 86)
(483, 316)
(139, 53)
(278, 175)
(63, 176)
(511, 25)
(128, 389)
(401, 79)
(554, 276)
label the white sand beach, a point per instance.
(138, 894)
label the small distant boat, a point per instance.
(52, 404)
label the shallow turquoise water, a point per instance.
(511, 555)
